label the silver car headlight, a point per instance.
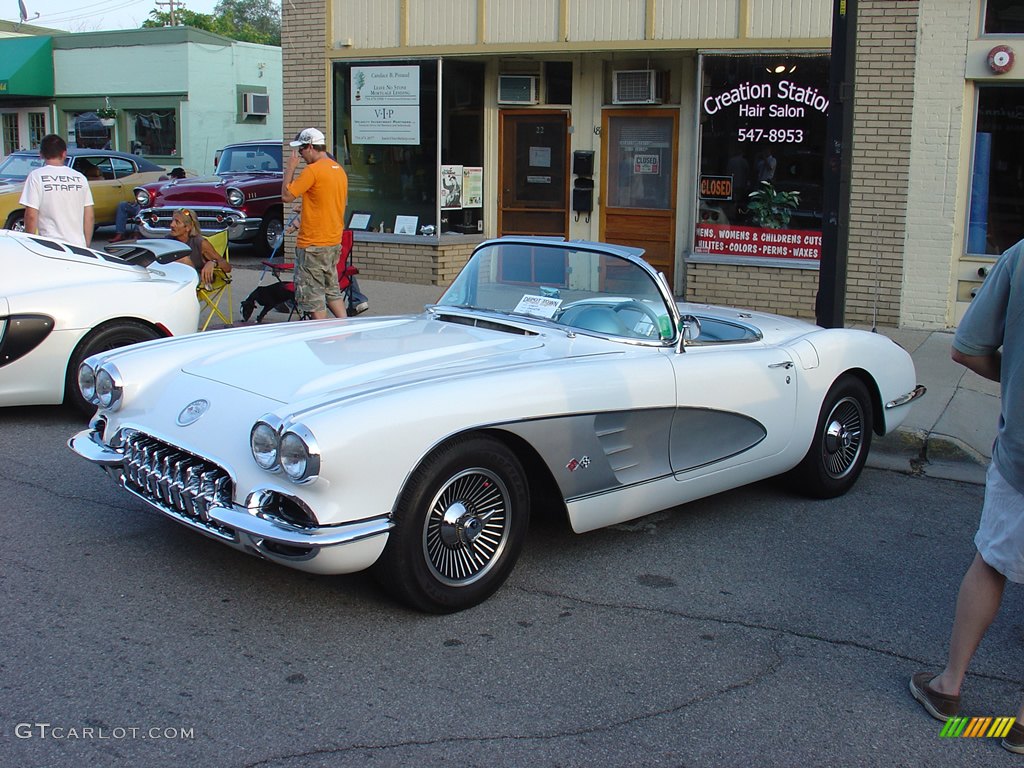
(299, 454)
(235, 197)
(264, 441)
(109, 387)
(87, 382)
(142, 198)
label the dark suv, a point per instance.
(244, 197)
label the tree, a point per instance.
(252, 21)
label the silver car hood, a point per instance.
(292, 362)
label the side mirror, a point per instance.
(689, 326)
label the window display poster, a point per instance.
(386, 86)
(472, 187)
(386, 125)
(762, 150)
(451, 187)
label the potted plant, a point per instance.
(106, 114)
(770, 207)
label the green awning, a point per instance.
(26, 66)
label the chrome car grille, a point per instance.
(176, 482)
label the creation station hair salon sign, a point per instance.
(762, 130)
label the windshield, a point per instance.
(585, 289)
(249, 159)
(17, 167)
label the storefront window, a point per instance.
(1004, 17)
(153, 131)
(386, 121)
(762, 139)
(996, 213)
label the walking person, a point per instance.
(990, 342)
(323, 187)
(57, 199)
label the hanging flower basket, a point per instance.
(107, 122)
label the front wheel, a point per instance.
(459, 527)
(16, 221)
(111, 336)
(271, 229)
(842, 439)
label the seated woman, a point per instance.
(185, 227)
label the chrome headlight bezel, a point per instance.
(109, 387)
(299, 454)
(87, 382)
(235, 197)
(267, 428)
(143, 198)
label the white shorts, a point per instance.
(1000, 536)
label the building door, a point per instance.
(639, 182)
(533, 174)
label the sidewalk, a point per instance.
(948, 433)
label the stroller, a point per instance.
(280, 296)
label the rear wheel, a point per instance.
(842, 439)
(459, 527)
(116, 334)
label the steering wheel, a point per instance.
(643, 309)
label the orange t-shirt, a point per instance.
(323, 187)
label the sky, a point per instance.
(92, 15)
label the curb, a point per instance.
(918, 452)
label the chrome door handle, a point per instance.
(787, 365)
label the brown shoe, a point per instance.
(941, 706)
(1014, 740)
(117, 238)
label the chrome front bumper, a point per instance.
(243, 526)
(910, 397)
(156, 222)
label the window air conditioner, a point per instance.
(517, 89)
(255, 104)
(635, 86)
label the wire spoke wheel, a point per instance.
(843, 438)
(466, 527)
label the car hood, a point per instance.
(293, 362)
(210, 187)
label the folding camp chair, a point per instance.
(211, 296)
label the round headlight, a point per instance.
(300, 458)
(87, 382)
(142, 198)
(264, 443)
(108, 386)
(235, 197)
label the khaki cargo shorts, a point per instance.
(316, 277)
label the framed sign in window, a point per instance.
(360, 220)
(406, 225)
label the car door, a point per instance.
(106, 189)
(736, 403)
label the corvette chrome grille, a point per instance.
(175, 481)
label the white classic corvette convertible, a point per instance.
(61, 303)
(555, 374)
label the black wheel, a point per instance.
(271, 228)
(16, 221)
(841, 442)
(116, 334)
(460, 526)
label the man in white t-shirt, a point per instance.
(57, 199)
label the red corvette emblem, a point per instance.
(575, 464)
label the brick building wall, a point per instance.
(303, 43)
(935, 223)
(783, 291)
(883, 110)
(405, 261)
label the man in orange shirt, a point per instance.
(323, 187)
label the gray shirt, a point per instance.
(996, 319)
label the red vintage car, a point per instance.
(244, 197)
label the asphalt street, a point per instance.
(752, 628)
